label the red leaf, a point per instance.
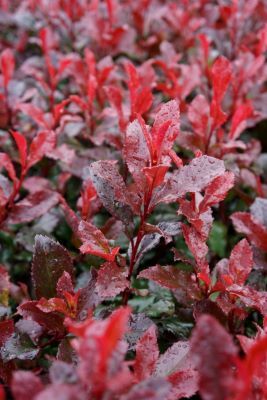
(221, 73)
(6, 163)
(22, 147)
(2, 393)
(33, 206)
(165, 129)
(94, 242)
(197, 246)
(241, 262)
(249, 226)
(147, 354)
(155, 175)
(217, 190)
(43, 143)
(216, 357)
(241, 114)
(111, 280)
(143, 101)
(7, 65)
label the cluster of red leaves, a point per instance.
(131, 122)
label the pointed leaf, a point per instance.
(217, 190)
(241, 262)
(166, 129)
(221, 74)
(22, 147)
(7, 63)
(5, 162)
(43, 143)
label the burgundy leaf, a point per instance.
(50, 260)
(111, 189)
(51, 322)
(6, 330)
(167, 276)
